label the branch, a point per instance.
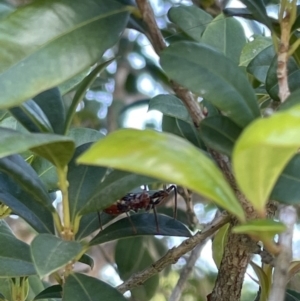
(174, 254)
(287, 215)
(159, 44)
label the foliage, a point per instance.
(52, 52)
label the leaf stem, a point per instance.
(63, 183)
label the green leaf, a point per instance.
(144, 224)
(292, 100)
(259, 66)
(84, 135)
(218, 245)
(128, 264)
(272, 81)
(89, 223)
(170, 105)
(80, 287)
(53, 107)
(5, 9)
(170, 125)
(201, 69)
(190, 19)
(50, 253)
(258, 9)
(54, 291)
(262, 152)
(260, 226)
(15, 260)
(57, 149)
(81, 91)
(287, 188)
(114, 186)
(190, 133)
(46, 172)
(85, 30)
(253, 48)
(226, 35)
(291, 295)
(88, 260)
(166, 157)
(264, 282)
(22, 191)
(83, 181)
(5, 286)
(31, 116)
(219, 133)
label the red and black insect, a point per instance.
(143, 200)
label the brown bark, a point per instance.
(238, 248)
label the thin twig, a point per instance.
(287, 215)
(187, 196)
(174, 254)
(159, 44)
(186, 271)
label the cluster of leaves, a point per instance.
(41, 154)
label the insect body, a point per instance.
(144, 200)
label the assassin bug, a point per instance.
(144, 200)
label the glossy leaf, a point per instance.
(15, 260)
(83, 181)
(88, 260)
(80, 287)
(218, 244)
(54, 291)
(201, 69)
(144, 224)
(57, 149)
(258, 9)
(170, 105)
(219, 133)
(166, 157)
(50, 253)
(226, 35)
(264, 282)
(190, 133)
(51, 103)
(23, 193)
(253, 49)
(22, 173)
(129, 265)
(81, 91)
(31, 116)
(85, 30)
(259, 66)
(46, 172)
(114, 186)
(5, 284)
(260, 226)
(287, 187)
(272, 81)
(190, 19)
(89, 223)
(84, 135)
(270, 144)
